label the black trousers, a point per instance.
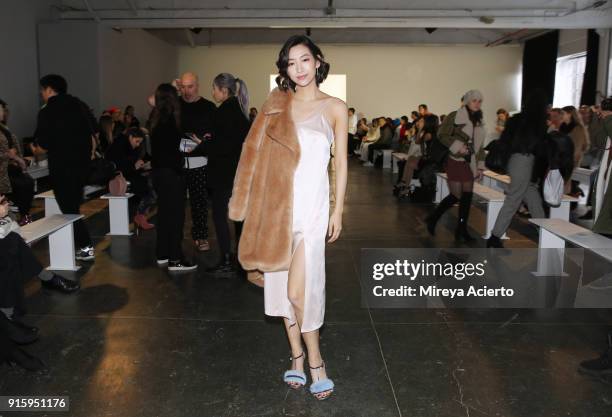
(220, 200)
(198, 200)
(68, 190)
(23, 191)
(376, 146)
(170, 188)
(17, 264)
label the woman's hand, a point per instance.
(463, 150)
(335, 226)
(139, 164)
(479, 175)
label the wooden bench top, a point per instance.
(39, 229)
(577, 235)
(487, 193)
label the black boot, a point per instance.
(433, 218)
(461, 233)
(225, 266)
(494, 242)
(18, 332)
(22, 358)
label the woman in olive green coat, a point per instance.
(463, 133)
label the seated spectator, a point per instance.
(17, 264)
(500, 123)
(554, 120)
(117, 116)
(427, 128)
(384, 141)
(129, 118)
(423, 110)
(126, 154)
(21, 184)
(371, 136)
(106, 127)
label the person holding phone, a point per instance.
(196, 124)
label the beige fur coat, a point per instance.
(262, 196)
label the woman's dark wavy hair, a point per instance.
(167, 106)
(283, 81)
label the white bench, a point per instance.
(59, 229)
(395, 158)
(119, 214)
(386, 154)
(553, 235)
(493, 199)
(501, 182)
(36, 172)
(117, 209)
(583, 176)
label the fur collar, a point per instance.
(280, 126)
(462, 118)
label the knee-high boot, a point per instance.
(433, 218)
(461, 233)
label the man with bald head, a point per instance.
(196, 119)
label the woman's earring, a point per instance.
(317, 73)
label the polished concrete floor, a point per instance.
(138, 342)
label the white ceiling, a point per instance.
(342, 21)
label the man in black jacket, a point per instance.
(64, 129)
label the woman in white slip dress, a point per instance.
(298, 294)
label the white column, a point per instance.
(61, 250)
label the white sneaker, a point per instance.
(85, 254)
(368, 164)
(161, 262)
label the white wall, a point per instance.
(70, 49)
(104, 67)
(19, 62)
(132, 64)
(381, 80)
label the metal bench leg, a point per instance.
(551, 255)
(61, 250)
(119, 217)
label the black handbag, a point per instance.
(498, 156)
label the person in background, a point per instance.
(464, 134)
(125, 152)
(427, 128)
(64, 129)
(168, 178)
(526, 133)
(196, 122)
(500, 123)
(423, 110)
(414, 116)
(118, 123)
(352, 130)
(572, 125)
(603, 192)
(554, 120)
(252, 114)
(383, 142)
(129, 118)
(105, 135)
(230, 128)
(21, 184)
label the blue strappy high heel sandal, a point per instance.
(294, 378)
(321, 386)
